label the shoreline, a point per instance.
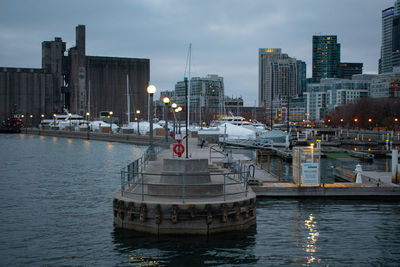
(134, 139)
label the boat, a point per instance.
(274, 138)
(12, 125)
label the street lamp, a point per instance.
(70, 122)
(138, 114)
(87, 121)
(31, 116)
(174, 106)
(151, 89)
(110, 117)
(166, 101)
(54, 120)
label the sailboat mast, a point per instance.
(128, 98)
(190, 82)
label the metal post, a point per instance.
(151, 149)
(183, 188)
(224, 187)
(142, 188)
(187, 117)
(166, 122)
(269, 161)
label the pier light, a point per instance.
(341, 120)
(87, 113)
(355, 120)
(396, 119)
(151, 89)
(54, 115)
(22, 116)
(31, 116)
(111, 113)
(174, 105)
(369, 120)
(42, 115)
(166, 100)
(137, 118)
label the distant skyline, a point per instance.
(225, 35)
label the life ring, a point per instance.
(179, 149)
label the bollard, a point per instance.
(395, 159)
(358, 174)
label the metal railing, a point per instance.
(136, 183)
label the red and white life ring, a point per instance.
(179, 149)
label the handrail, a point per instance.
(138, 183)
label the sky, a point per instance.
(225, 34)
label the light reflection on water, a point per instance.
(56, 209)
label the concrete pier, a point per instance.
(196, 195)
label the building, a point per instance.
(279, 76)
(325, 57)
(76, 82)
(333, 92)
(203, 91)
(347, 70)
(386, 46)
(386, 85)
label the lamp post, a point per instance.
(87, 121)
(54, 121)
(166, 101)
(179, 109)
(138, 119)
(70, 122)
(31, 116)
(151, 89)
(174, 106)
(110, 121)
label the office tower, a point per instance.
(280, 76)
(386, 47)
(326, 57)
(396, 36)
(347, 69)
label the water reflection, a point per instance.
(313, 235)
(234, 248)
(109, 146)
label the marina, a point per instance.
(76, 227)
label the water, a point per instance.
(56, 210)
(327, 165)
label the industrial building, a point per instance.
(75, 82)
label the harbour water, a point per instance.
(56, 210)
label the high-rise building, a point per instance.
(396, 35)
(279, 76)
(386, 46)
(326, 57)
(347, 70)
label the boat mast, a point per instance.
(128, 98)
(190, 82)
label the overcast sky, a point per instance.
(225, 35)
